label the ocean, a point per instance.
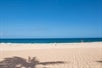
(51, 40)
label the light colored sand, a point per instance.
(75, 55)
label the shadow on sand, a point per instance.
(100, 61)
(18, 62)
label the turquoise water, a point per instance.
(51, 40)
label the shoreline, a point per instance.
(24, 46)
(51, 43)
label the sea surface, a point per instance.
(51, 40)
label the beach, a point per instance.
(55, 55)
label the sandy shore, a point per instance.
(52, 55)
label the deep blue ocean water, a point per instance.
(51, 40)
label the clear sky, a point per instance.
(50, 18)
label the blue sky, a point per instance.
(50, 18)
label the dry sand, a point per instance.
(60, 55)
